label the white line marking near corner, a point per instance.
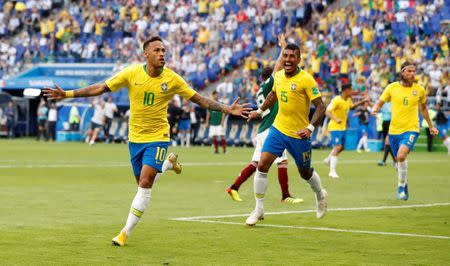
(328, 229)
(193, 218)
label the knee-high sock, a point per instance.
(216, 144)
(315, 184)
(333, 163)
(387, 149)
(166, 166)
(224, 144)
(138, 206)
(244, 175)
(447, 144)
(402, 173)
(260, 187)
(283, 180)
(188, 139)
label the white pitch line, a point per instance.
(328, 229)
(194, 218)
(193, 164)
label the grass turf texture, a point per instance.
(62, 204)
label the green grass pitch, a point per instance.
(61, 204)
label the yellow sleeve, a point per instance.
(183, 89)
(351, 104)
(119, 80)
(311, 89)
(386, 95)
(332, 105)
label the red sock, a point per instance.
(224, 144)
(244, 175)
(283, 180)
(216, 144)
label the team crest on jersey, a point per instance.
(164, 87)
(414, 93)
(293, 87)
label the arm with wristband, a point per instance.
(92, 90)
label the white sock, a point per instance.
(260, 188)
(316, 184)
(364, 143)
(447, 143)
(188, 139)
(138, 206)
(333, 163)
(360, 143)
(402, 173)
(166, 166)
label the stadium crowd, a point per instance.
(364, 43)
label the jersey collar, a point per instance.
(145, 70)
(298, 71)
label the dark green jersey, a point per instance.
(269, 115)
(215, 118)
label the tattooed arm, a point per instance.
(210, 104)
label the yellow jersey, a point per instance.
(149, 98)
(339, 108)
(294, 98)
(405, 106)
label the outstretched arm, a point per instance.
(424, 110)
(270, 100)
(91, 90)
(315, 120)
(376, 108)
(282, 44)
(234, 109)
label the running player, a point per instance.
(406, 97)
(294, 89)
(151, 86)
(337, 111)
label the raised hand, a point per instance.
(253, 115)
(54, 94)
(240, 109)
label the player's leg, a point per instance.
(300, 149)
(443, 134)
(147, 160)
(249, 169)
(260, 183)
(94, 135)
(170, 163)
(402, 144)
(243, 176)
(224, 144)
(273, 147)
(283, 180)
(338, 147)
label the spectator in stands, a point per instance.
(51, 121)
(110, 110)
(42, 113)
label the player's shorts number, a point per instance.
(149, 98)
(284, 97)
(411, 138)
(306, 156)
(160, 154)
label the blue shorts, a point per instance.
(337, 137)
(184, 124)
(364, 129)
(408, 138)
(276, 142)
(152, 154)
(443, 131)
